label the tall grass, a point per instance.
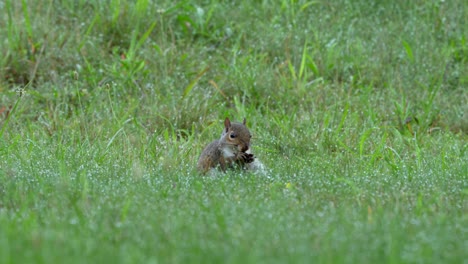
(358, 111)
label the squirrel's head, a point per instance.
(237, 134)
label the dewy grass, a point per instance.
(358, 111)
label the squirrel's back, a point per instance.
(210, 156)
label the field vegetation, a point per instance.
(359, 111)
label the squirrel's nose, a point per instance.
(244, 148)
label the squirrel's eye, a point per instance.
(232, 135)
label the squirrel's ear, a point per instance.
(227, 124)
(244, 122)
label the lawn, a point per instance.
(358, 110)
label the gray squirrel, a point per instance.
(232, 150)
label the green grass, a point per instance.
(359, 111)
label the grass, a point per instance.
(358, 110)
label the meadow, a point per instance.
(358, 109)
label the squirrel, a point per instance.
(230, 151)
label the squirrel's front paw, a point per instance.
(246, 157)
